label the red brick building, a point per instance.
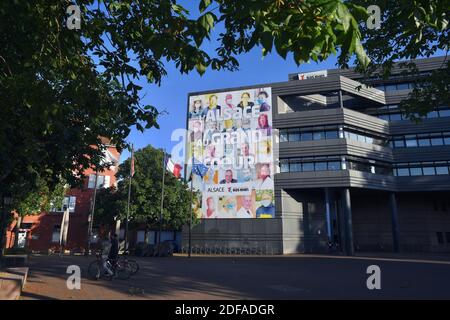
(42, 232)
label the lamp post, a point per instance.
(91, 216)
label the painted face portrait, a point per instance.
(264, 172)
(266, 200)
(246, 175)
(247, 202)
(212, 101)
(263, 121)
(261, 99)
(228, 176)
(245, 98)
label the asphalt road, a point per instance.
(279, 277)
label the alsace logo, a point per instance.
(217, 189)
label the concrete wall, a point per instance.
(253, 235)
(304, 221)
(421, 215)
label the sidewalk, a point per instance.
(424, 257)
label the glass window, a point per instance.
(72, 203)
(306, 136)
(55, 233)
(283, 135)
(371, 140)
(294, 135)
(437, 141)
(395, 116)
(411, 141)
(353, 136)
(100, 181)
(334, 165)
(361, 138)
(432, 114)
(91, 181)
(442, 170)
(321, 166)
(402, 86)
(424, 142)
(384, 117)
(391, 87)
(332, 134)
(284, 166)
(399, 143)
(318, 135)
(295, 167)
(402, 172)
(308, 166)
(447, 141)
(416, 171)
(444, 113)
(429, 171)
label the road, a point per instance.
(276, 277)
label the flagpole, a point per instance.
(129, 197)
(162, 195)
(91, 221)
(190, 210)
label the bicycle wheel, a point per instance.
(95, 270)
(123, 271)
(133, 265)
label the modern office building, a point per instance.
(351, 173)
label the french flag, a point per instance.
(175, 168)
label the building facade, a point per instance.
(350, 172)
(41, 233)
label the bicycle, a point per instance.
(119, 269)
(131, 264)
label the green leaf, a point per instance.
(364, 60)
(207, 21)
(203, 5)
(201, 68)
(267, 41)
(343, 15)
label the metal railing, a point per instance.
(221, 250)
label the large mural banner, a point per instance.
(230, 148)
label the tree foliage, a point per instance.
(146, 190)
(410, 30)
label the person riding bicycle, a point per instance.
(114, 250)
(105, 251)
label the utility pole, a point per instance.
(129, 197)
(162, 195)
(190, 209)
(91, 216)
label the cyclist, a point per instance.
(114, 250)
(105, 251)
